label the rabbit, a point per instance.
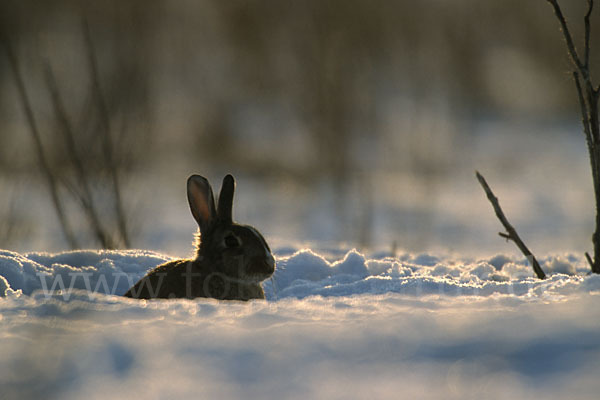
(231, 259)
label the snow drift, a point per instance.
(305, 273)
(334, 326)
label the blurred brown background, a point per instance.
(344, 120)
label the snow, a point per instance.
(428, 326)
(302, 274)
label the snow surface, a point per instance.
(338, 324)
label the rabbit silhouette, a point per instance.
(231, 259)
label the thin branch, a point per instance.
(511, 232)
(588, 97)
(582, 67)
(592, 107)
(44, 165)
(586, 20)
(108, 148)
(589, 260)
(85, 194)
(567, 35)
(585, 120)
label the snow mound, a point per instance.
(350, 326)
(103, 271)
(306, 273)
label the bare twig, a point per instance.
(108, 148)
(567, 34)
(84, 194)
(511, 233)
(585, 120)
(588, 97)
(586, 57)
(42, 160)
(592, 108)
(589, 260)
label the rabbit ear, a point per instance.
(225, 209)
(202, 201)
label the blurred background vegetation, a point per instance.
(325, 107)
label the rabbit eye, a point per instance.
(231, 241)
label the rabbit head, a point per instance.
(238, 251)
